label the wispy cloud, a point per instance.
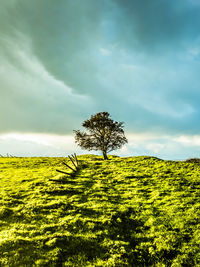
(33, 144)
(176, 147)
(188, 140)
(29, 90)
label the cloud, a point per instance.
(156, 25)
(105, 52)
(62, 61)
(32, 144)
(64, 37)
(188, 141)
(173, 147)
(33, 99)
(168, 147)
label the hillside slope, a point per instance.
(136, 211)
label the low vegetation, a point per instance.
(136, 211)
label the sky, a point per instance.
(63, 61)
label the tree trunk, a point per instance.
(105, 155)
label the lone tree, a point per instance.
(103, 134)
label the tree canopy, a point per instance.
(102, 134)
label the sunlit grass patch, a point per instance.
(136, 211)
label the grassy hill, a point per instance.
(136, 211)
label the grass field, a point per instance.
(136, 211)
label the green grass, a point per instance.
(136, 211)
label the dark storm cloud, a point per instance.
(64, 36)
(41, 42)
(63, 60)
(156, 24)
